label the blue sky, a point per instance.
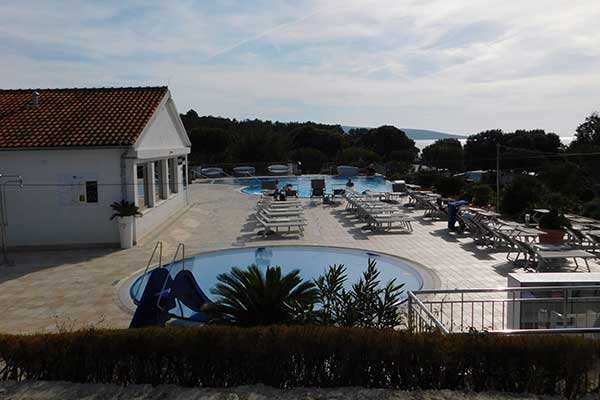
(450, 65)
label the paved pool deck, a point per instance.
(69, 289)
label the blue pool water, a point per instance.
(312, 261)
(302, 183)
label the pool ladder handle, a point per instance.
(179, 246)
(157, 247)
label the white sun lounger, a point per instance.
(276, 224)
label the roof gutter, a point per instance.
(65, 148)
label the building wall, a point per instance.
(48, 210)
(51, 209)
(160, 211)
(160, 141)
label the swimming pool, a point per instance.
(302, 183)
(312, 261)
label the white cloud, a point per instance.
(458, 66)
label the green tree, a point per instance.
(327, 141)
(480, 150)
(388, 142)
(585, 149)
(210, 145)
(259, 146)
(312, 159)
(568, 178)
(358, 156)
(253, 298)
(444, 154)
(589, 131)
(523, 193)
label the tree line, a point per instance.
(544, 164)
(217, 140)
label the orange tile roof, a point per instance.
(76, 117)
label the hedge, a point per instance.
(288, 357)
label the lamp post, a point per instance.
(497, 177)
(7, 179)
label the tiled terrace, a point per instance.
(52, 289)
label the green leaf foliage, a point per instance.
(124, 208)
(367, 305)
(251, 298)
(307, 356)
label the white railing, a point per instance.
(541, 309)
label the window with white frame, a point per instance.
(142, 191)
(158, 182)
(172, 164)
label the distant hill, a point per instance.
(419, 134)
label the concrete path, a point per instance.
(54, 290)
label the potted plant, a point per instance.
(553, 225)
(125, 211)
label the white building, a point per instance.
(79, 150)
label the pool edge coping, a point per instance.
(430, 278)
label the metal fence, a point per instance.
(541, 309)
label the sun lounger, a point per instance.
(385, 222)
(274, 213)
(542, 257)
(583, 240)
(276, 224)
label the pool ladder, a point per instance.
(158, 251)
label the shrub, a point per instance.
(252, 297)
(479, 194)
(553, 220)
(425, 178)
(295, 356)
(558, 202)
(396, 170)
(449, 186)
(523, 193)
(367, 305)
(592, 209)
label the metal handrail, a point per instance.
(438, 324)
(513, 299)
(158, 246)
(543, 331)
(179, 246)
(505, 289)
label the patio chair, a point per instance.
(317, 187)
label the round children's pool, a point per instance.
(312, 261)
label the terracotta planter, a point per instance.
(552, 236)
